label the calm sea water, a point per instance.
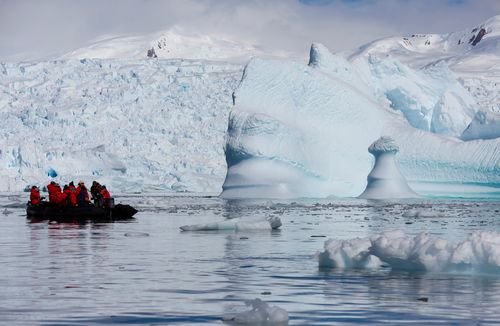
(147, 271)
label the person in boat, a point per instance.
(95, 191)
(35, 198)
(82, 194)
(106, 196)
(55, 194)
(66, 195)
(70, 196)
(72, 186)
(73, 194)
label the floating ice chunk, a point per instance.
(261, 314)
(485, 125)
(237, 224)
(348, 254)
(385, 180)
(480, 252)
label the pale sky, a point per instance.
(35, 29)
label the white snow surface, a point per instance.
(486, 125)
(175, 43)
(383, 145)
(479, 253)
(385, 181)
(472, 57)
(135, 125)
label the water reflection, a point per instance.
(451, 297)
(149, 272)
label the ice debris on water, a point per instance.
(261, 314)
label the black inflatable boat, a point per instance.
(79, 214)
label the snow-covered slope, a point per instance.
(136, 125)
(431, 99)
(173, 43)
(475, 48)
(472, 55)
(486, 125)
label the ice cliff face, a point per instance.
(301, 130)
(136, 125)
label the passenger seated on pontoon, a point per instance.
(35, 196)
(82, 194)
(55, 194)
(106, 196)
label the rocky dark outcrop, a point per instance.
(476, 38)
(152, 53)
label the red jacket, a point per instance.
(70, 196)
(55, 194)
(105, 193)
(105, 197)
(82, 195)
(35, 196)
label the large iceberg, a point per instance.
(302, 131)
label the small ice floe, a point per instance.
(422, 213)
(479, 253)
(237, 224)
(385, 181)
(261, 314)
(136, 234)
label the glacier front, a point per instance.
(302, 131)
(134, 125)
